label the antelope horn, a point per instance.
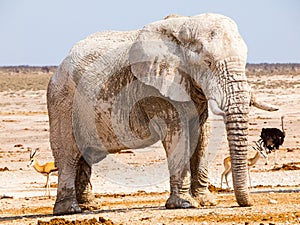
(258, 144)
(262, 105)
(259, 149)
(32, 153)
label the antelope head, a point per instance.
(32, 158)
(259, 148)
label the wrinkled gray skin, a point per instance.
(119, 90)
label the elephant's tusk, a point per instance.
(262, 105)
(215, 108)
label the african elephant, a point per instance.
(120, 90)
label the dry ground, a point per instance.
(132, 187)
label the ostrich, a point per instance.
(272, 138)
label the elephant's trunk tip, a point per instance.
(246, 203)
(243, 198)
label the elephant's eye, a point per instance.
(198, 51)
(195, 47)
(212, 34)
(198, 47)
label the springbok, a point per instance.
(45, 169)
(251, 161)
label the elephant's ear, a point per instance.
(156, 59)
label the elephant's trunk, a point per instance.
(237, 111)
(237, 134)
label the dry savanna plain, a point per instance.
(131, 187)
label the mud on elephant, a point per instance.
(120, 90)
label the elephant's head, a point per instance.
(205, 52)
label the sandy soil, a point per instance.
(132, 186)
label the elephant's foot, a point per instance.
(90, 206)
(86, 198)
(181, 202)
(204, 197)
(66, 206)
(89, 202)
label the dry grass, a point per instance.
(25, 78)
(32, 82)
(272, 69)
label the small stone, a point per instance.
(272, 201)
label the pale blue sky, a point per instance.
(36, 32)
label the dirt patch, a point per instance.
(287, 166)
(215, 189)
(273, 206)
(5, 196)
(4, 169)
(62, 221)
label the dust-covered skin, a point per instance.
(119, 90)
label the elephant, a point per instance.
(119, 90)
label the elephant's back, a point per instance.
(93, 59)
(102, 42)
(98, 55)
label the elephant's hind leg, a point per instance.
(66, 202)
(66, 157)
(199, 167)
(63, 145)
(83, 185)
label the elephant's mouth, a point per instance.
(215, 108)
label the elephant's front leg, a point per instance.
(176, 144)
(199, 165)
